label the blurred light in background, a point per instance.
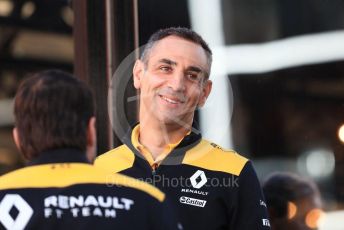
(332, 221)
(317, 163)
(292, 210)
(6, 112)
(5, 8)
(313, 218)
(28, 9)
(279, 54)
(341, 133)
(54, 47)
(7, 157)
(67, 15)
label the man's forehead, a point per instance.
(175, 41)
(173, 47)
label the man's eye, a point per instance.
(193, 76)
(165, 68)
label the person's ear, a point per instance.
(16, 139)
(91, 139)
(138, 71)
(206, 89)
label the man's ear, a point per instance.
(16, 139)
(138, 71)
(91, 147)
(205, 92)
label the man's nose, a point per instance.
(177, 82)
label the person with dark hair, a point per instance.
(59, 189)
(211, 187)
(293, 202)
(54, 110)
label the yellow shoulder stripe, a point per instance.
(67, 174)
(210, 157)
(116, 160)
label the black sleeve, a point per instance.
(164, 216)
(251, 211)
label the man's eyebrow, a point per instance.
(190, 68)
(198, 70)
(168, 61)
(195, 69)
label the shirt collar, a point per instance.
(145, 152)
(62, 155)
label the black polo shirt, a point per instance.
(60, 190)
(212, 188)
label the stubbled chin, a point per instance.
(174, 117)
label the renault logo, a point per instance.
(198, 179)
(24, 212)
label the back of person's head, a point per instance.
(291, 199)
(52, 110)
(181, 32)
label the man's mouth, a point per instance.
(171, 100)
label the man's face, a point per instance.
(173, 81)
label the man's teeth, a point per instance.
(169, 100)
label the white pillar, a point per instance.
(215, 117)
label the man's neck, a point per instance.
(155, 137)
